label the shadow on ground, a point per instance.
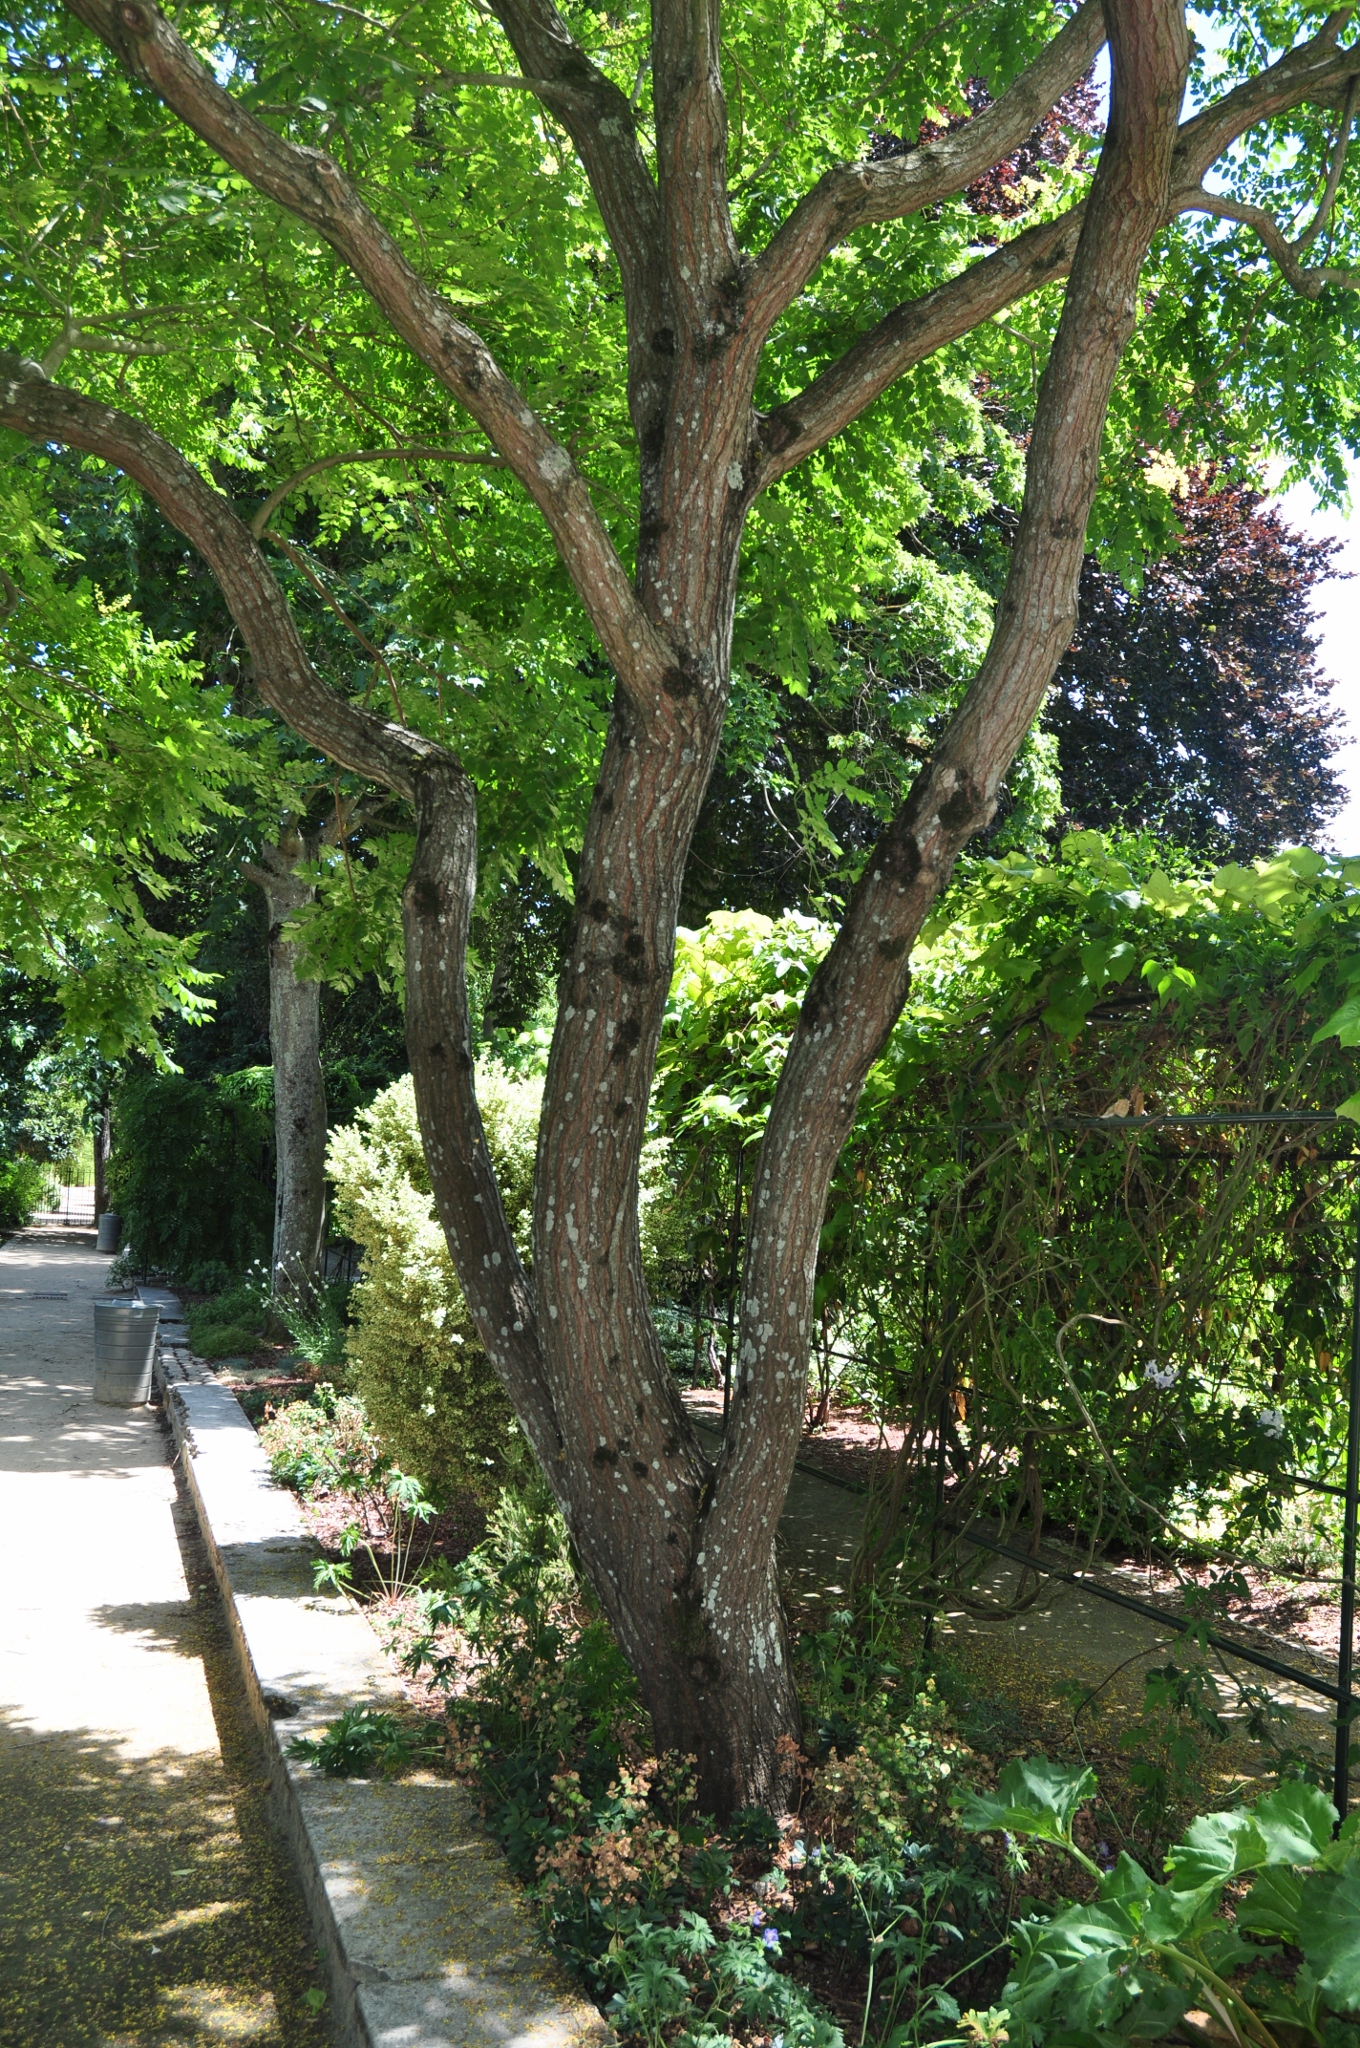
(146, 1902)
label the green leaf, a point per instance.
(1217, 1846)
(1084, 1970)
(1033, 1797)
(1271, 1907)
(1167, 1915)
(1329, 1932)
(1127, 1881)
(1297, 1822)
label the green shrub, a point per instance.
(414, 1357)
(324, 1442)
(318, 1328)
(22, 1181)
(227, 1340)
(192, 1173)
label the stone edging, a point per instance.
(426, 1939)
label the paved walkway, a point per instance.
(1067, 1636)
(144, 1902)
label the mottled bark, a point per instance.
(680, 1549)
(103, 1152)
(299, 1085)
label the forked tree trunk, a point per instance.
(299, 1086)
(680, 1548)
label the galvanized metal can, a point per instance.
(124, 1352)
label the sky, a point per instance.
(1336, 605)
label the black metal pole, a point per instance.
(1346, 1657)
(734, 1274)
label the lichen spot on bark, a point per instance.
(555, 466)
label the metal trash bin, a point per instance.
(124, 1352)
(110, 1231)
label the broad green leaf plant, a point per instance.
(1131, 1961)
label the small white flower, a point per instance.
(1162, 1376)
(1272, 1421)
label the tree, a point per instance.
(113, 761)
(1195, 704)
(736, 373)
(295, 1053)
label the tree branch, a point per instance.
(436, 912)
(356, 738)
(73, 335)
(1338, 165)
(305, 569)
(323, 462)
(852, 195)
(600, 119)
(1315, 71)
(311, 187)
(703, 262)
(907, 336)
(1307, 281)
(859, 989)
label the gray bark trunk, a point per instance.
(299, 1087)
(103, 1148)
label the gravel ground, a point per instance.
(144, 1901)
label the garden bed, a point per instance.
(874, 1910)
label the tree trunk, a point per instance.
(299, 1087)
(103, 1149)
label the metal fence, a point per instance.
(67, 1200)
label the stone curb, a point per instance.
(426, 1937)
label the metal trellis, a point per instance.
(1343, 1692)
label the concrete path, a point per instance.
(144, 1902)
(1072, 1637)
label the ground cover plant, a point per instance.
(934, 1881)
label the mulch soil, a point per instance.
(849, 1446)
